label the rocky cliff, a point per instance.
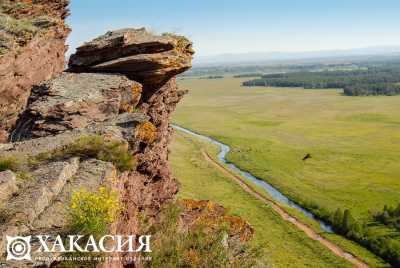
(32, 48)
(88, 108)
(101, 124)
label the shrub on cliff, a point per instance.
(13, 7)
(20, 30)
(17, 27)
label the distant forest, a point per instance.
(376, 80)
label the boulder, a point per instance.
(46, 183)
(8, 185)
(150, 59)
(73, 101)
(49, 180)
(120, 129)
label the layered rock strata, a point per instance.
(92, 103)
(149, 59)
(120, 90)
(73, 101)
(32, 49)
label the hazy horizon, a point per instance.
(253, 26)
(281, 56)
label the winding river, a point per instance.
(272, 191)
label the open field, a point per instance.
(354, 142)
(351, 143)
(202, 180)
(283, 245)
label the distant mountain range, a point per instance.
(274, 57)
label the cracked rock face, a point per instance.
(73, 101)
(28, 61)
(38, 202)
(146, 58)
(120, 87)
(109, 103)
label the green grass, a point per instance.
(10, 163)
(95, 146)
(282, 244)
(348, 245)
(354, 141)
(15, 165)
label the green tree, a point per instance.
(337, 219)
(348, 221)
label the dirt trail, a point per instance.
(286, 216)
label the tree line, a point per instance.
(390, 216)
(379, 80)
(366, 232)
(385, 246)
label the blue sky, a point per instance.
(240, 26)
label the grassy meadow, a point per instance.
(354, 142)
(282, 244)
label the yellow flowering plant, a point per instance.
(92, 212)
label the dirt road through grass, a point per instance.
(286, 216)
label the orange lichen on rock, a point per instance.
(146, 132)
(147, 58)
(212, 215)
(132, 98)
(239, 226)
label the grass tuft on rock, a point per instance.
(15, 165)
(10, 163)
(15, 30)
(98, 147)
(13, 7)
(16, 27)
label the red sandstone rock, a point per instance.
(146, 58)
(78, 104)
(38, 59)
